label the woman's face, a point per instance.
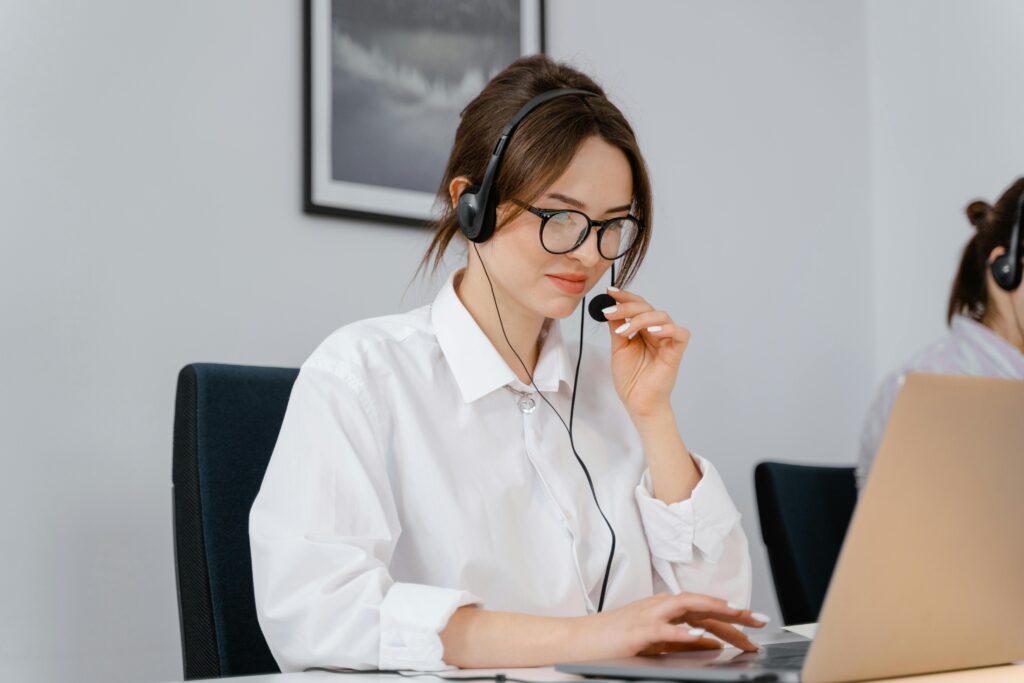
(597, 182)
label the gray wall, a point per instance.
(753, 117)
(946, 113)
(150, 216)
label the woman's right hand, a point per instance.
(665, 623)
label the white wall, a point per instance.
(150, 217)
(946, 112)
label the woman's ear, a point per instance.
(456, 187)
(995, 253)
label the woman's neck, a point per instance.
(522, 327)
(1007, 324)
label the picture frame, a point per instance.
(384, 84)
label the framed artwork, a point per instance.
(385, 81)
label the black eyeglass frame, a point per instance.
(546, 214)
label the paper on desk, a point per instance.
(805, 630)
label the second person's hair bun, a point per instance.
(978, 212)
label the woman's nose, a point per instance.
(587, 253)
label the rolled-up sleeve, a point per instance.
(322, 533)
(697, 545)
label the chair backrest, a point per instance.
(226, 421)
(804, 511)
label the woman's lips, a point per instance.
(568, 286)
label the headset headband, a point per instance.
(476, 209)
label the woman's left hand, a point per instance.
(646, 353)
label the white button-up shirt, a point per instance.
(970, 348)
(407, 482)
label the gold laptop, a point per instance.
(931, 573)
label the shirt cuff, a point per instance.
(412, 617)
(702, 521)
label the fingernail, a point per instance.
(610, 309)
(698, 632)
(734, 605)
(654, 328)
(622, 328)
(613, 289)
(757, 616)
(630, 337)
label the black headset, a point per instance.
(1006, 269)
(477, 210)
(478, 205)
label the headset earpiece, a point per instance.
(1006, 269)
(468, 211)
(1006, 276)
(477, 213)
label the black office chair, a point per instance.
(804, 512)
(226, 421)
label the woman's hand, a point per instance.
(665, 623)
(647, 348)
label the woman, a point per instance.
(424, 506)
(986, 337)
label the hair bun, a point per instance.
(978, 212)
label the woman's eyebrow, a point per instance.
(580, 205)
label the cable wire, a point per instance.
(568, 427)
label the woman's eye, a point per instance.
(562, 218)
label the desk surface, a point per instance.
(996, 674)
(1008, 673)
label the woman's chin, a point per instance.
(563, 307)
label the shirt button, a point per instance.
(526, 404)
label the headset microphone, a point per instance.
(601, 302)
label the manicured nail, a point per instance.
(610, 309)
(757, 616)
(698, 632)
(734, 605)
(654, 328)
(630, 337)
(622, 328)
(613, 289)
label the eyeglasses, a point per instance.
(563, 230)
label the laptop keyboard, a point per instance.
(778, 656)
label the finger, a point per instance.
(695, 606)
(667, 331)
(665, 648)
(740, 617)
(622, 296)
(641, 321)
(686, 637)
(626, 310)
(682, 642)
(681, 605)
(700, 645)
(729, 634)
(618, 340)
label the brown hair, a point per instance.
(993, 225)
(541, 148)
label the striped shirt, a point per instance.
(970, 348)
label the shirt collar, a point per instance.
(997, 349)
(477, 366)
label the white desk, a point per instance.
(1012, 673)
(996, 674)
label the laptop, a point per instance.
(931, 573)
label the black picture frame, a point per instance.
(323, 193)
